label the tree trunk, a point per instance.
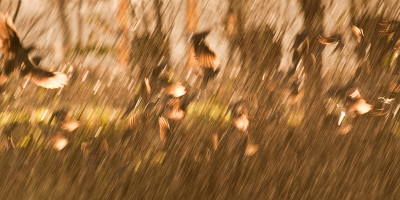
(123, 46)
(17, 10)
(80, 22)
(61, 6)
(192, 18)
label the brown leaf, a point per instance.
(241, 123)
(148, 88)
(361, 107)
(70, 125)
(58, 142)
(344, 129)
(175, 90)
(251, 149)
(164, 129)
(295, 97)
(214, 141)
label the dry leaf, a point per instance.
(148, 88)
(175, 90)
(58, 142)
(215, 141)
(241, 123)
(164, 128)
(251, 149)
(361, 107)
(70, 126)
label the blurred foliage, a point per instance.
(300, 155)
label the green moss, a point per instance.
(158, 158)
(84, 50)
(295, 119)
(389, 57)
(148, 153)
(13, 116)
(228, 116)
(40, 143)
(137, 162)
(389, 37)
(24, 141)
(42, 114)
(215, 112)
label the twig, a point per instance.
(17, 10)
